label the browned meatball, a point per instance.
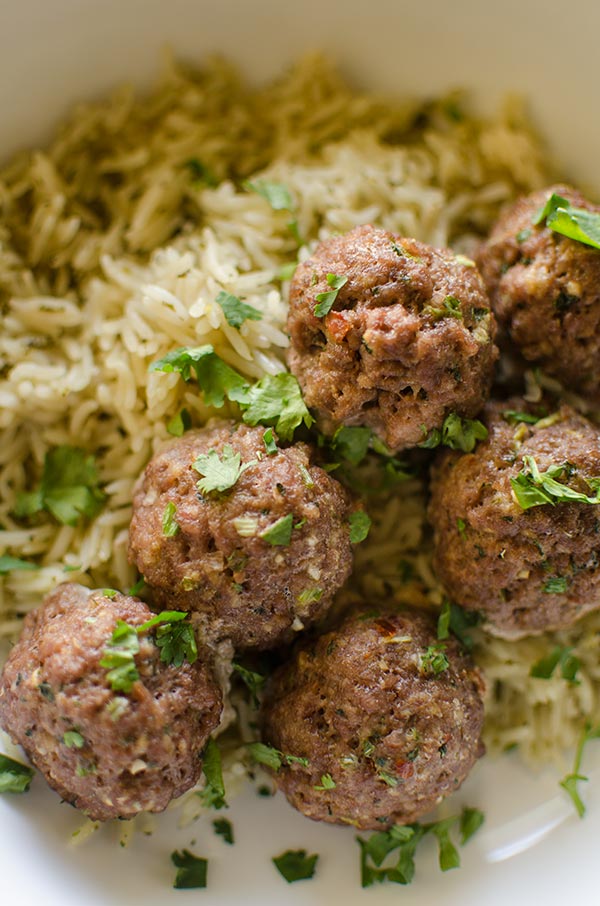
(388, 718)
(110, 753)
(526, 570)
(228, 561)
(545, 291)
(408, 340)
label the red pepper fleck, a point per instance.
(385, 627)
(404, 769)
(338, 325)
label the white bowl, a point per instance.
(56, 52)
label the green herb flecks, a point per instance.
(555, 585)
(213, 792)
(559, 656)
(224, 828)
(514, 417)
(119, 657)
(534, 488)
(360, 524)
(201, 174)
(327, 783)
(217, 380)
(270, 442)
(451, 307)
(402, 843)
(574, 223)
(14, 776)
(571, 781)
(352, 444)
(191, 870)
(272, 758)
(253, 681)
(279, 534)
(459, 621)
(325, 301)
(236, 311)
(180, 423)
(279, 197)
(73, 739)
(433, 660)
(8, 563)
(457, 433)
(170, 527)
(220, 473)
(296, 865)
(69, 488)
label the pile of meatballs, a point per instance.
(375, 718)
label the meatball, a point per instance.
(388, 719)
(526, 569)
(256, 562)
(111, 753)
(545, 291)
(408, 340)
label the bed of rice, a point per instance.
(112, 252)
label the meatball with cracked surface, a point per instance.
(255, 562)
(409, 337)
(527, 570)
(110, 752)
(545, 291)
(390, 717)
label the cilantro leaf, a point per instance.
(555, 585)
(513, 417)
(433, 661)
(220, 472)
(457, 433)
(534, 488)
(574, 223)
(224, 828)
(119, 657)
(191, 870)
(455, 618)
(170, 527)
(216, 379)
(177, 643)
(471, 820)
(254, 682)
(360, 523)
(559, 655)
(236, 311)
(270, 442)
(295, 865)
(14, 776)
(326, 300)
(69, 487)
(8, 563)
(277, 400)
(180, 423)
(272, 758)
(213, 793)
(569, 783)
(327, 783)
(451, 307)
(279, 534)
(276, 193)
(73, 739)
(448, 853)
(352, 444)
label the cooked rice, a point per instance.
(112, 253)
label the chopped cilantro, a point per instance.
(170, 526)
(224, 828)
(569, 783)
(73, 739)
(254, 682)
(276, 399)
(326, 300)
(559, 655)
(201, 174)
(574, 223)
(69, 487)
(555, 585)
(276, 193)
(471, 820)
(286, 272)
(447, 852)
(213, 792)
(327, 783)
(191, 870)
(457, 433)
(177, 643)
(310, 595)
(236, 311)
(360, 523)
(433, 661)
(295, 865)
(459, 621)
(461, 525)
(8, 563)
(451, 307)
(180, 423)
(216, 379)
(272, 758)
(137, 587)
(270, 442)
(534, 488)
(119, 657)
(14, 776)
(220, 473)
(513, 417)
(352, 444)
(279, 534)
